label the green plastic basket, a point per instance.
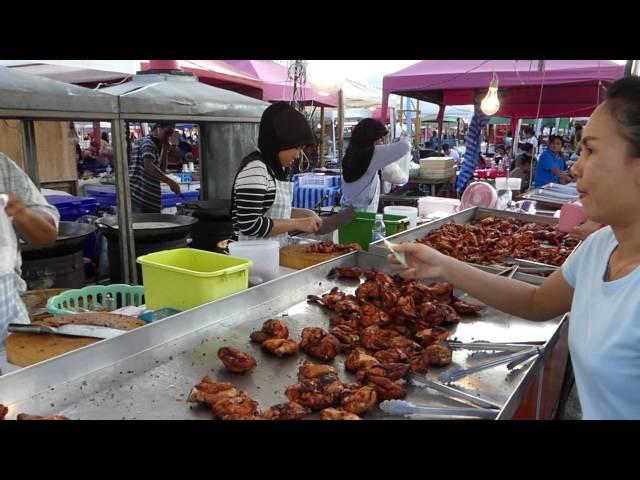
(70, 301)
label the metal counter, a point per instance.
(148, 373)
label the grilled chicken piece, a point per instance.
(376, 338)
(3, 411)
(209, 392)
(337, 414)
(312, 371)
(465, 308)
(419, 362)
(386, 389)
(349, 272)
(371, 315)
(235, 360)
(270, 329)
(440, 354)
(26, 416)
(369, 291)
(428, 336)
(280, 346)
(392, 371)
(286, 411)
(348, 337)
(359, 360)
(240, 405)
(313, 395)
(360, 400)
(393, 355)
(319, 344)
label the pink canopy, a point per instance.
(276, 86)
(218, 74)
(571, 88)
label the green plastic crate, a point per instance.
(359, 231)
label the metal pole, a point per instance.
(321, 151)
(30, 151)
(400, 117)
(341, 122)
(333, 134)
(392, 120)
(628, 68)
(125, 217)
(417, 122)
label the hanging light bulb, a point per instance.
(490, 103)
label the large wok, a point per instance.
(180, 226)
(71, 238)
(209, 209)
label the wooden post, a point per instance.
(321, 151)
(341, 123)
(30, 151)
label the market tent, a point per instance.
(24, 95)
(28, 97)
(218, 74)
(569, 88)
(182, 98)
(79, 72)
(360, 95)
(276, 86)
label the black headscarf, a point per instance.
(281, 127)
(359, 153)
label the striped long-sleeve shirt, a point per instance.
(254, 193)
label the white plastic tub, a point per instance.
(265, 255)
(411, 212)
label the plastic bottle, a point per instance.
(379, 230)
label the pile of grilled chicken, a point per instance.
(486, 241)
(329, 247)
(388, 328)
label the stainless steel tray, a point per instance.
(464, 217)
(147, 373)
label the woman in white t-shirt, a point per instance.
(600, 283)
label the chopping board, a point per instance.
(24, 349)
(295, 256)
(36, 302)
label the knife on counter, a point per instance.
(90, 331)
(333, 222)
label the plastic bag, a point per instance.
(398, 172)
(8, 242)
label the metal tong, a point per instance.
(421, 381)
(508, 272)
(510, 360)
(529, 264)
(490, 346)
(404, 408)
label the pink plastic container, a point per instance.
(571, 215)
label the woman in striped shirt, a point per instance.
(261, 197)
